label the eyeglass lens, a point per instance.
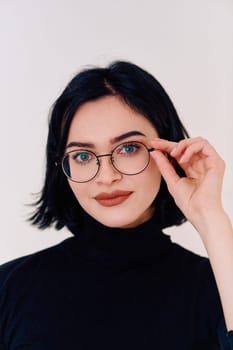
(128, 158)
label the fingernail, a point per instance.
(182, 159)
(173, 152)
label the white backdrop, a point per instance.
(186, 44)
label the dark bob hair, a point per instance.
(56, 204)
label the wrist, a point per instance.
(212, 224)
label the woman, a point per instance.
(119, 170)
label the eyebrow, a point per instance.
(112, 141)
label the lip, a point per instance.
(113, 198)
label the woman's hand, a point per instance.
(198, 195)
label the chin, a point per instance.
(122, 220)
(114, 221)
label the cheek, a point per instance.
(80, 190)
(152, 182)
(147, 185)
(151, 177)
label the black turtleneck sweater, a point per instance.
(111, 289)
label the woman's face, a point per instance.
(100, 123)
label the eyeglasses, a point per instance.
(129, 158)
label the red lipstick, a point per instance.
(113, 198)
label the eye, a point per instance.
(128, 148)
(82, 157)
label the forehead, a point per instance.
(103, 119)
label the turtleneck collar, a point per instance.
(120, 246)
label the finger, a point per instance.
(192, 150)
(204, 145)
(167, 170)
(199, 150)
(163, 145)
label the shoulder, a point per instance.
(26, 266)
(192, 267)
(187, 258)
(194, 274)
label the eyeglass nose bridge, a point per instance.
(104, 155)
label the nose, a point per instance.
(107, 174)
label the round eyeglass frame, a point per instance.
(111, 158)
